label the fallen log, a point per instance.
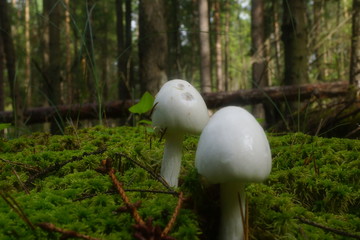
(114, 109)
(276, 94)
(117, 109)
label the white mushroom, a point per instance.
(178, 109)
(233, 150)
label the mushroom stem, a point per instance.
(232, 194)
(171, 163)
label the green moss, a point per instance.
(312, 178)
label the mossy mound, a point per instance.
(58, 179)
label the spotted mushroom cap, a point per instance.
(179, 107)
(233, 147)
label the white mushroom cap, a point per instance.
(180, 107)
(233, 147)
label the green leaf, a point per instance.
(4, 126)
(144, 105)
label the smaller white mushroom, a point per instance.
(233, 150)
(178, 109)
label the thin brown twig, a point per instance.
(333, 230)
(20, 182)
(65, 233)
(172, 220)
(152, 173)
(123, 195)
(16, 207)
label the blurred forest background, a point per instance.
(91, 53)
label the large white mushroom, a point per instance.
(178, 109)
(233, 150)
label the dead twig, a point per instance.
(329, 229)
(16, 207)
(152, 173)
(172, 221)
(65, 233)
(143, 229)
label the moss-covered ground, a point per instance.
(312, 193)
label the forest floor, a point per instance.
(55, 186)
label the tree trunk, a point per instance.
(174, 39)
(27, 80)
(128, 45)
(52, 72)
(68, 86)
(2, 58)
(259, 69)
(218, 47)
(276, 25)
(227, 43)
(205, 53)
(152, 45)
(123, 90)
(294, 36)
(355, 45)
(318, 9)
(9, 52)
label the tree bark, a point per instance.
(318, 9)
(218, 48)
(68, 86)
(122, 60)
(259, 68)
(52, 72)
(152, 45)
(355, 45)
(27, 79)
(2, 58)
(205, 54)
(9, 52)
(174, 39)
(294, 36)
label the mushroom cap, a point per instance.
(233, 147)
(179, 107)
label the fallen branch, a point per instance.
(117, 109)
(333, 230)
(65, 233)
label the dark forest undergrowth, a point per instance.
(56, 186)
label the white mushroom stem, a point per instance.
(232, 225)
(171, 163)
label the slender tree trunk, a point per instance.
(123, 90)
(259, 68)
(294, 36)
(94, 87)
(68, 89)
(318, 9)
(205, 53)
(27, 79)
(276, 23)
(174, 39)
(2, 58)
(104, 53)
(128, 45)
(152, 45)
(227, 43)
(218, 47)
(355, 45)
(9, 51)
(52, 72)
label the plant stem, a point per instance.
(232, 221)
(171, 163)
